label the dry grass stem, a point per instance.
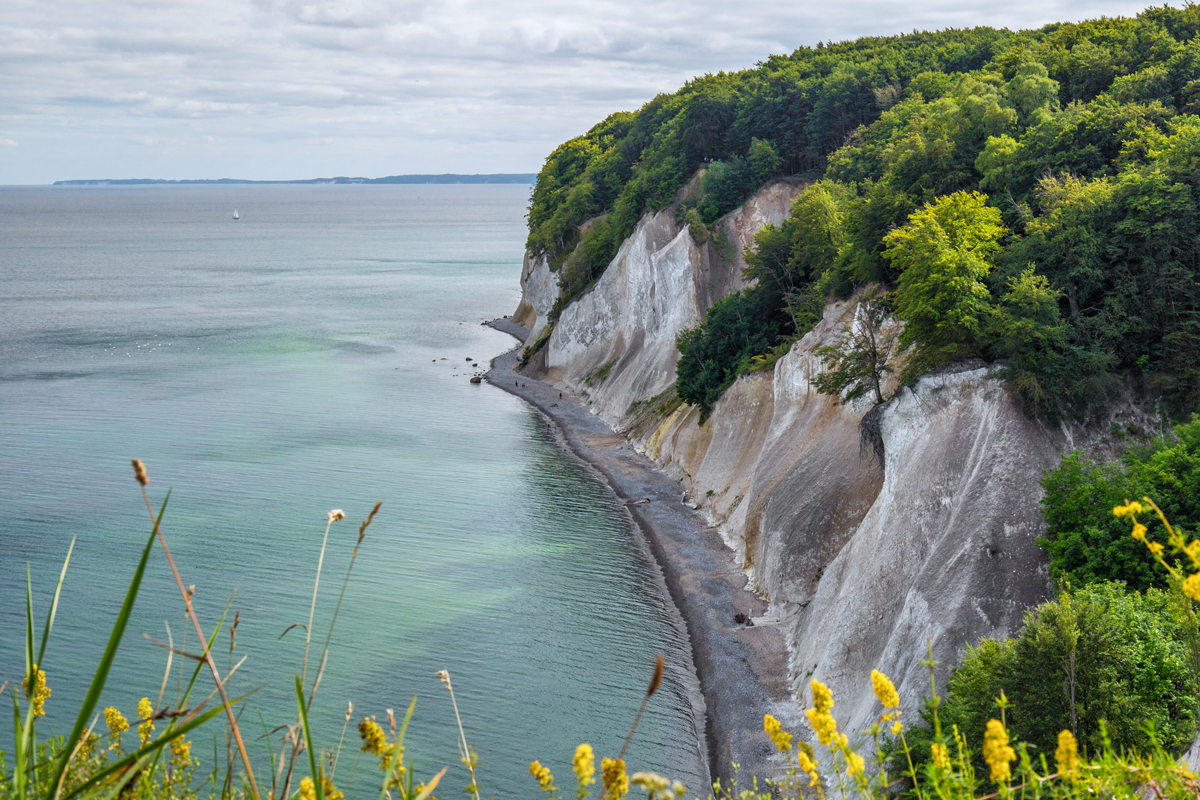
(140, 474)
(655, 682)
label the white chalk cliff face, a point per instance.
(862, 561)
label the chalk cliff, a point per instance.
(863, 559)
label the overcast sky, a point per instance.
(280, 89)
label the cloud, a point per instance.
(264, 86)
(6, 142)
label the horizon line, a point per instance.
(423, 178)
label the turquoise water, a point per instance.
(315, 355)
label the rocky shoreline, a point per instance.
(742, 668)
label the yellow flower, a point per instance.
(308, 790)
(1193, 551)
(181, 753)
(1155, 548)
(822, 697)
(897, 726)
(781, 738)
(36, 690)
(375, 742)
(420, 787)
(115, 720)
(616, 782)
(1139, 531)
(996, 751)
(331, 792)
(822, 722)
(656, 785)
(1067, 756)
(885, 690)
(1191, 586)
(808, 765)
(374, 739)
(542, 775)
(854, 764)
(941, 756)
(1135, 507)
(145, 713)
(584, 764)
(1120, 511)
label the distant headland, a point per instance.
(504, 177)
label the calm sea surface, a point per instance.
(315, 355)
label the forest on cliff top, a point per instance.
(1030, 198)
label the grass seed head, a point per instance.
(139, 471)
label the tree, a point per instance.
(859, 362)
(943, 254)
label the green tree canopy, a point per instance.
(943, 256)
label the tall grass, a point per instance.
(92, 763)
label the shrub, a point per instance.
(1097, 655)
(736, 329)
(1087, 544)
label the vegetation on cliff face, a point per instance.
(1085, 543)
(1076, 146)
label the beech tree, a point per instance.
(942, 255)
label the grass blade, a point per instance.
(29, 662)
(308, 744)
(398, 752)
(62, 576)
(429, 787)
(110, 652)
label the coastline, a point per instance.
(742, 669)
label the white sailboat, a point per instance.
(235, 214)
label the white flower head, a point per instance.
(336, 515)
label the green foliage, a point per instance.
(726, 184)
(859, 363)
(1086, 542)
(943, 254)
(532, 350)
(1050, 375)
(1083, 135)
(1096, 655)
(736, 329)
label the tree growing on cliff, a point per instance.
(859, 362)
(942, 255)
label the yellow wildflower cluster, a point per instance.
(542, 776)
(146, 714)
(1066, 757)
(331, 792)
(584, 764)
(805, 760)
(822, 722)
(181, 753)
(997, 752)
(781, 738)
(36, 690)
(889, 698)
(940, 756)
(116, 722)
(616, 782)
(376, 743)
(657, 787)
(1190, 583)
(308, 789)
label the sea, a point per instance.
(316, 354)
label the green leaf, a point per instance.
(318, 784)
(62, 576)
(110, 652)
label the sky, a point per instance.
(288, 89)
